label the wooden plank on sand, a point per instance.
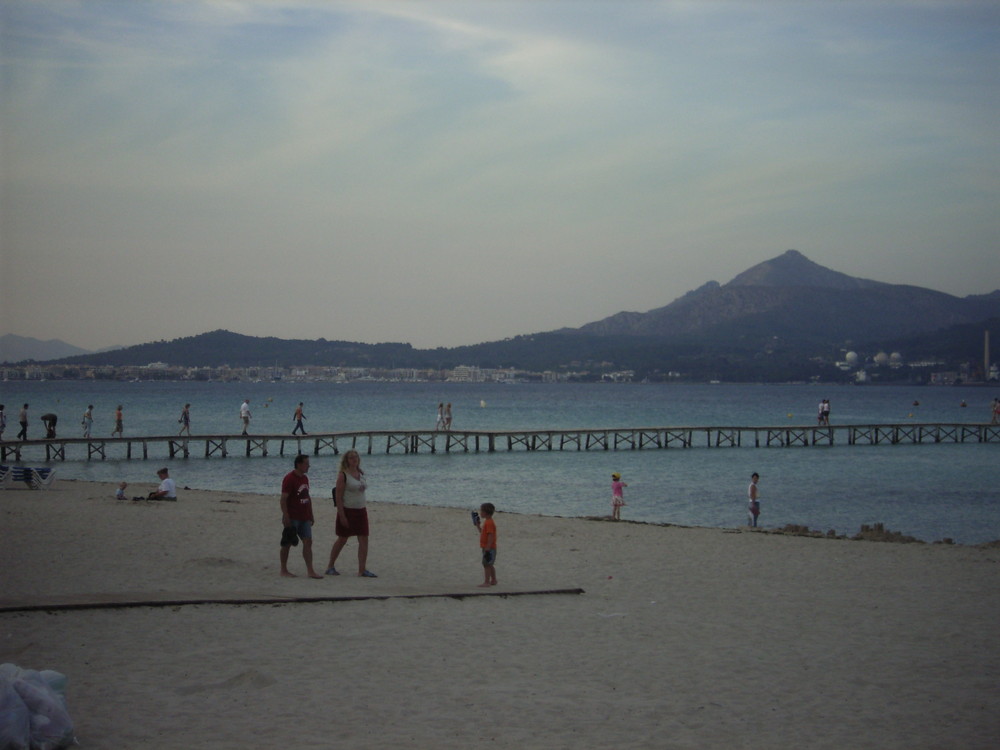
(133, 603)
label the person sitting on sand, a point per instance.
(488, 544)
(167, 489)
(297, 515)
(120, 492)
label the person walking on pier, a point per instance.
(119, 423)
(88, 420)
(440, 419)
(22, 419)
(826, 412)
(185, 420)
(298, 417)
(447, 416)
(245, 415)
(352, 513)
(50, 421)
(753, 506)
(297, 516)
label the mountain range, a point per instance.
(794, 299)
(21, 348)
(774, 321)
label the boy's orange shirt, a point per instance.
(488, 527)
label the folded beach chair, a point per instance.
(6, 477)
(41, 479)
(19, 475)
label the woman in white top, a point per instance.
(352, 513)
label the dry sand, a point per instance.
(683, 637)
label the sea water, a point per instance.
(930, 491)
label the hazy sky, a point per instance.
(446, 173)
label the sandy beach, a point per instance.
(599, 634)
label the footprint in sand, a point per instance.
(215, 562)
(249, 679)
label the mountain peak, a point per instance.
(792, 268)
(794, 299)
(15, 348)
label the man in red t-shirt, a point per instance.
(297, 516)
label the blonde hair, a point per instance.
(343, 459)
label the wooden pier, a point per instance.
(488, 441)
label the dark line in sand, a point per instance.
(272, 600)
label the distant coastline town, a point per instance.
(853, 369)
(297, 374)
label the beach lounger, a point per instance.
(42, 479)
(35, 479)
(19, 475)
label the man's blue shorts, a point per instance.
(489, 557)
(303, 528)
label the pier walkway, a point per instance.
(478, 441)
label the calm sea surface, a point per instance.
(928, 491)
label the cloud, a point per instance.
(509, 158)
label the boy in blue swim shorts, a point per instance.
(488, 543)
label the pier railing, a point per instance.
(490, 441)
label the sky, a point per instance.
(450, 173)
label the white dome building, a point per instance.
(852, 358)
(881, 359)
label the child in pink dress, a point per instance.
(617, 496)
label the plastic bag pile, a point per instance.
(33, 713)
